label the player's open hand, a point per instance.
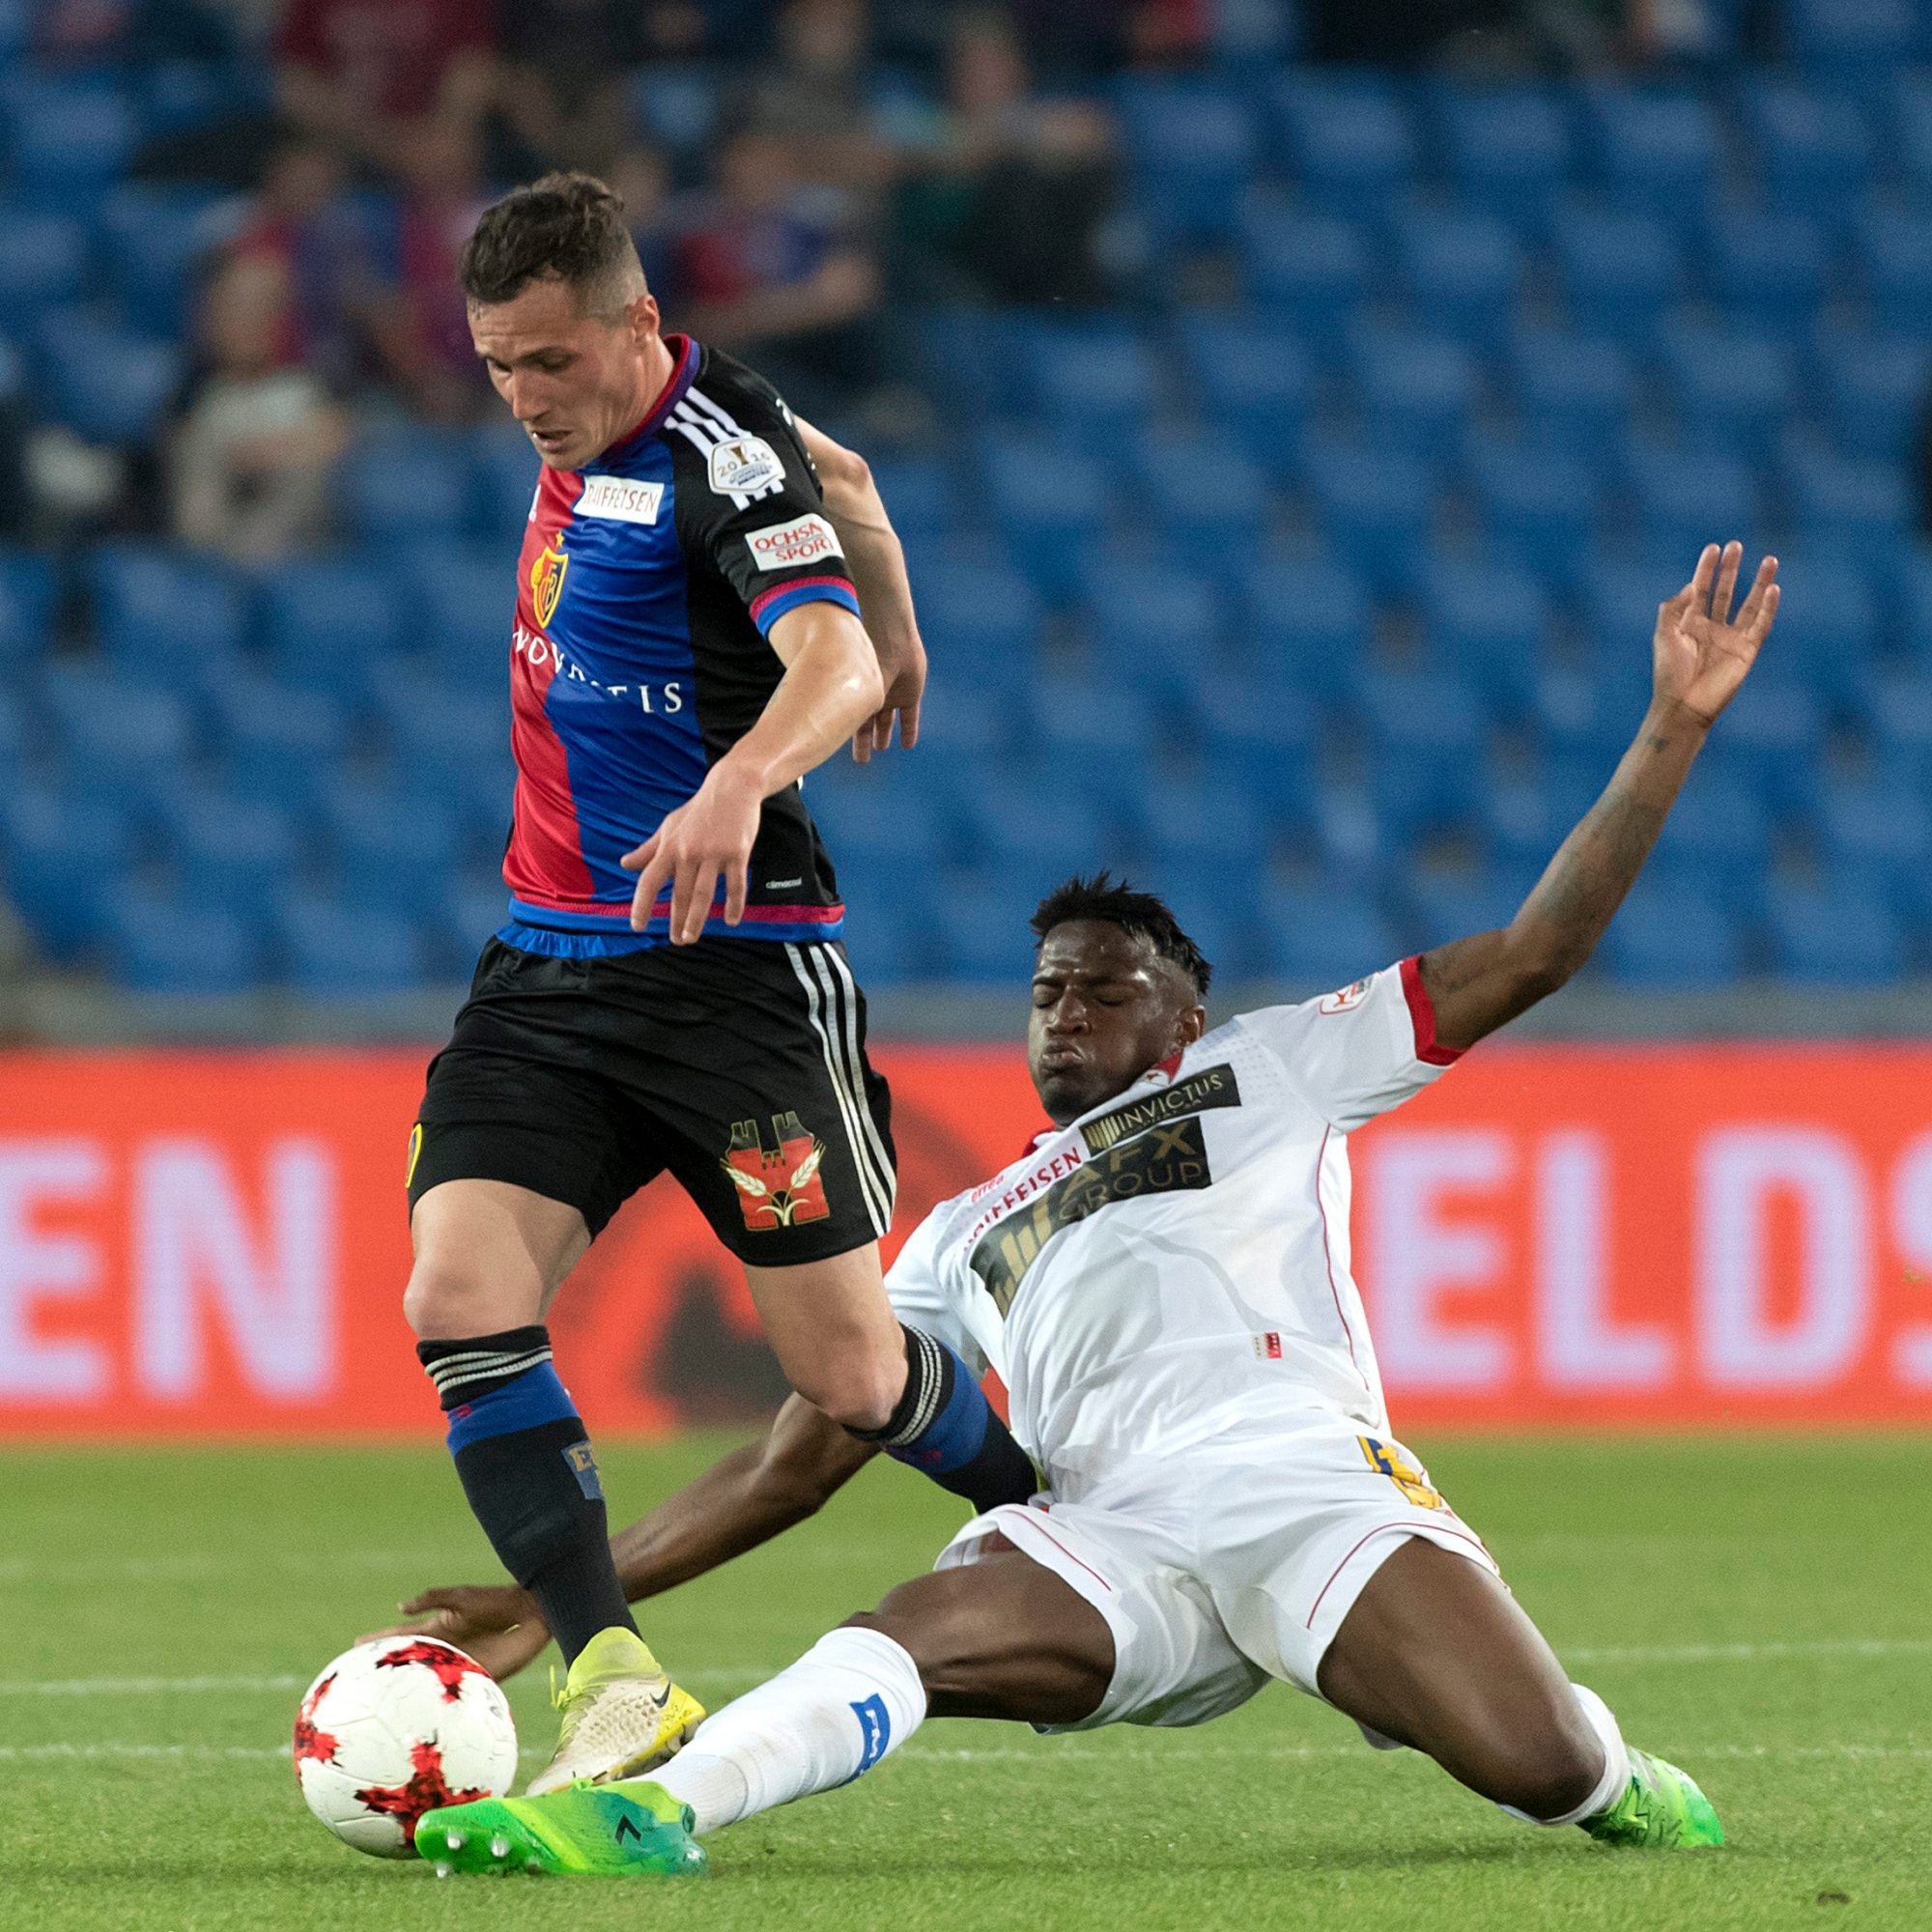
(905, 688)
(708, 837)
(1702, 653)
(496, 1623)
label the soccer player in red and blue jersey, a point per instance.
(670, 992)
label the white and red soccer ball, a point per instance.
(394, 1728)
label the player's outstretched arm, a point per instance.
(748, 1497)
(876, 560)
(1701, 654)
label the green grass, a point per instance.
(1643, 1562)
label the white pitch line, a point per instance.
(141, 1687)
(1753, 1652)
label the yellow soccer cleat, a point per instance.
(622, 1715)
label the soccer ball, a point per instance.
(394, 1728)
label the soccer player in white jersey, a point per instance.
(1163, 1283)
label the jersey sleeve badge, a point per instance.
(744, 465)
(807, 539)
(1345, 1001)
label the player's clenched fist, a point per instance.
(1701, 652)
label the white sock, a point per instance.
(1616, 1765)
(851, 1698)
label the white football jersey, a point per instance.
(1173, 1265)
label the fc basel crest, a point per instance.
(777, 1189)
(547, 579)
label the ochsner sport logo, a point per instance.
(784, 546)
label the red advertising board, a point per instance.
(196, 1244)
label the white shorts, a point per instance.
(1230, 1563)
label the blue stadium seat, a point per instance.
(473, 912)
(231, 854)
(1464, 273)
(1874, 388)
(1347, 139)
(333, 949)
(333, 624)
(1719, 834)
(1308, 272)
(1619, 273)
(1847, 504)
(1455, 906)
(1881, 828)
(1828, 622)
(1575, 392)
(1325, 939)
(1519, 817)
(166, 614)
(1418, 392)
(1428, 731)
(1155, 625)
(966, 357)
(115, 737)
(1213, 827)
(277, 739)
(1672, 936)
(68, 139)
(980, 621)
(1510, 149)
(1096, 732)
(981, 932)
(1657, 150)
(1220, 913)
(158, 945)
(1686, 499)
(1839, 932)
(1898, 716)
(394, 850)
(1620, 601)
(1093, 383)
(1909, 129)
(62, 854)
(1262, 736)
(1814, 148)
(1376, 506)
(1733, 391)
(43, 264)
(404, 492)
(464, 604)
(1307, 625)
(917, 495)
(1208, 501)
(503, 477)
(27, 590)
(438, 732)
(1254, 378)
(1193, 151)
(1540, 506)
(157, 240)
(1045, 497)
(1895, 255)
(1490, 623)
(1854, 40)
(1767, 271)
(1035, 833)
(1774, 731)
(109, 384)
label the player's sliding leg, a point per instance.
(1000, 1638)
(1437, 1654)
(489, 1256)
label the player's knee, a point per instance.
(857, 1399)
(439, 1302)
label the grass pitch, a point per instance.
(1756, 1609)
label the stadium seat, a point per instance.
(1657, 151)
(979, 932)
(465, 599)
(404, 492)
(43, 265)
(1093, 384)
(1880, 827)
(109, 384)
(158, 945)
(1320, 940)
(1875, 390)
(1733, 391)
(1376, 506)
(1306, 272)
(27, 591)
(1095, 732)
(1428, 731)
(1489, 623)
(1192, 149)
(1540, 506)
(1347, 139)
(334, 625)
(68, 139)
(1045, 498)
(1213, 827)
(1896, 255)
(870, 820)
(1254, 377)
(1576, 393)
(917, 495)
(157, 240)
(1847, 504)
(115, 737)
(1686, 499)
(231, 854)
(1417, 391)
(1156, 623)
(277, 739)
(336, 950)
(166, 614)
(1207, 499)
(1898, 718)
(1520, 819)
(1828, 622)
(1463, 274)
(1510, 149)
(62, 854)
(503, 477)
(438, 732)
(473, 912)
(1619, 271)
(983, 623)
(1672, 936)
(1458, 905)
(1719, 834)
(1307, 625)
(1837, 932)
(1774, 731)
(1619, 603)
(1767, 271)
(1262, 735)
(394, 850)
(1854, 40)
(1813, 148)
(1907, 128)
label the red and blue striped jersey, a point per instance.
(647, 583)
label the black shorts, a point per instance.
(737, 1064)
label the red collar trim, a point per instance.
(684, 368)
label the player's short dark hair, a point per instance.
(1146, 915)
(565, 228)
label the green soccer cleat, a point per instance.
(592, 1831)
(1660, 1807)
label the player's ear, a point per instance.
(1192, 1024)
(643, 313)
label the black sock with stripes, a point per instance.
(527, 1468)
